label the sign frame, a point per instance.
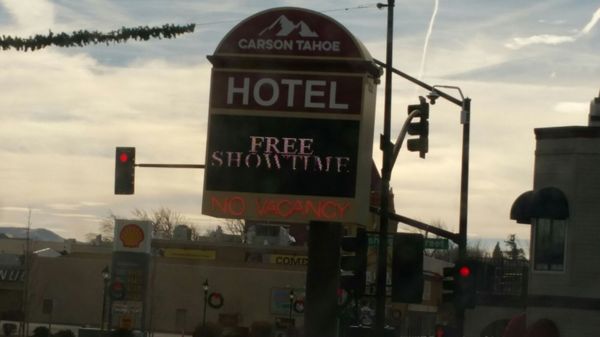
(291, 119)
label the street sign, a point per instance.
(436, 243)
(291, 119)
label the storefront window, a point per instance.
(549, 245)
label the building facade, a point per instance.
(562, 209)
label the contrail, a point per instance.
(592, 23)
(520, 42)
(426, 44)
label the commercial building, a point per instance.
(254, 280)
(562, 210)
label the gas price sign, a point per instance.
(290, 121)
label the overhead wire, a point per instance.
(364, 6)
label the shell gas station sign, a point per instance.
(133, 236)
(291, 118)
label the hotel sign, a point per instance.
(290, 121)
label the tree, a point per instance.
(164, 220)
(235, 226)
(513, 253)
(497, 253)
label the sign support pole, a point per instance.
(322, 278)
(385, 179)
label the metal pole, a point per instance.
(464, 197)
(322, 279)
(198, 166)
(205, 302)
(291, 303)
(105, 282)
(385, 145)
(464, 177)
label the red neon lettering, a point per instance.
(235, 206)
(285, 208)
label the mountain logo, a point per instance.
(284, 27)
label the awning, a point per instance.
(547, 203)
(521, 208)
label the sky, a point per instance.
(524, 64)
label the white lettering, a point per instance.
(310, 93)
(274, 87)
(332, 95)
(244, 90)
(291, 89)
(286, 93)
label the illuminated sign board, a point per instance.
(292, 260)
(290, 121)
(197, 254)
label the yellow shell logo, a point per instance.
(131, 236)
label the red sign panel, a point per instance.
(291, 32)
(286, 92)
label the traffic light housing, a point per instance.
(419, 128)
(460, 284)
(353, 262)
(125, 170)
(407, 268)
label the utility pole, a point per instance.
(464, 198)
(386, 169)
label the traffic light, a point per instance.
(125, 170)
(460, 284)
(353, 268)
(407, 268)
(419, 128)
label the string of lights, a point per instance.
(83, 37)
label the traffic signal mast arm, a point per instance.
(199, 166)
(420, 225)
(423, 84)
(125, 169)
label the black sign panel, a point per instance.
(278, 155)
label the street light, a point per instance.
(105, 278)
(465, 120)
(292, 297)
(205, 286)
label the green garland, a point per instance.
(83, 37)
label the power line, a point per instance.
(366, 6)
(345, 9)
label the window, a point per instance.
(549, 245)
(267, 230)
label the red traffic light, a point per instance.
(124, 157)
(124, 170)
(464, 271)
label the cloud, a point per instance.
(571, 107)
(520, 42)
(549, 39)
(32, 16)
(17, 209)
(73, 215)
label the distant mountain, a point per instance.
(37, 234)
(284, 27)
